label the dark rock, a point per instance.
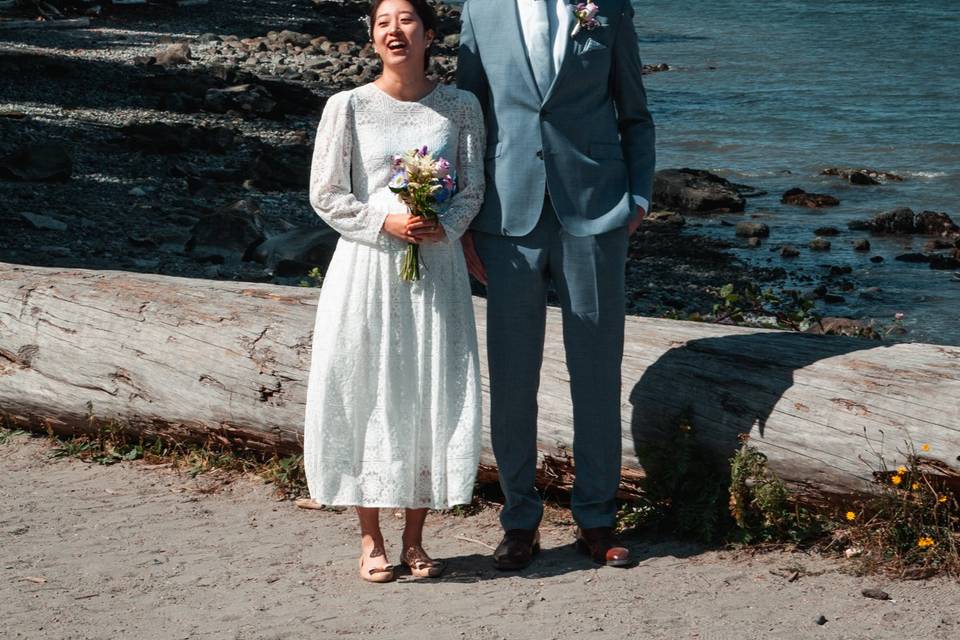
(788, 251)
(826, 231)
(861, 244)
(161, 137)
(913, 257)
(819, 244)
(250, 98)
(838, 326)
(754, 242)
(833, 298)
(297, 251)
(230, 232)
(752, 230)
(668, 217)
(821, 620)
(876, 594)
(695, 191)
(876, 259)
(39, 162)
(840, 270)
(281, 167)
(801, 198)
(938, 261)
(862, 176)
(904, 221)
(38, 221)
(934, 222)
(175, 54)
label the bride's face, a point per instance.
(398, 34)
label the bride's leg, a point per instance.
(413, 555)
(373, 560)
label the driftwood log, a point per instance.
(193, 360)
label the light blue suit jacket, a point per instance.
(589, 141)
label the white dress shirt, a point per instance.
(561, 24)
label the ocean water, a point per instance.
(770, 92)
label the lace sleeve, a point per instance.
(330, 193)
(470, 180)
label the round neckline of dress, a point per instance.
(436, 87)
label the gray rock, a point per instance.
(174, 55)
(230, 232)
(297, 251)
(861, 244)
(748, 229)
(38, 221)
(693, 190)
(819, 244)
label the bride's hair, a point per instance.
(426, 13)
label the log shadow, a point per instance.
(724, 386)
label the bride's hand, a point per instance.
(425, 230)
(397, 225)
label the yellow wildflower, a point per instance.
(924, 542)
(942, 499)
(851, 515)
(901, 470)
(924, 447)
(915, 486)
(896, 479)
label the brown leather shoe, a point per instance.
(517, 549)
(603, 547)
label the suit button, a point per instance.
(540, 154)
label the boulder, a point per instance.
(862, 176)
(227, 234)
(801, 198)
(695, 191)
(903, 220)
(281, 168)
(752, 229)
(38, 162)
(819, 244)
(174, 55)
(861, 244)
(297, 251)
(826, 231)
(788, 251)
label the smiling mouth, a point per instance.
(396, 45)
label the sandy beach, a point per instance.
(134, 551)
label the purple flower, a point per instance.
(397, 161)
(443, 166)
(399, 181)
(421, 152)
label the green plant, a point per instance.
(287, 474)
(316, 276)
(755, 307)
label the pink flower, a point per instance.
(898, 316)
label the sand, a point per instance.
(138, 551)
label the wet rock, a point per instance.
(903, 220)
(174, 55)
(752, 229)
(838, 326)
(297, 251)
(934, 222)
(819, 244)
(913, 257)
(281, 167)
(668, 217)
(826, 231)
(38, 162)
(695, 191)
(861, 244)
(840, 270)
(754, 242)
(939, 261)
(250, 98)
(801, 198)
(38, 221)
(160, 137)
(655, 68)
(862, 176)
(876, 259)
(788, 251)
(227, 233)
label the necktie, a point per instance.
(539, 47)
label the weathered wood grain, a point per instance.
(192, 359)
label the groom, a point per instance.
(569, 164)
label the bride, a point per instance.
(393, 397)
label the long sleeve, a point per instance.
(330, 185)
(637, 133)
(465, 204)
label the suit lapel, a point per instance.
(514, 33)
(565, 27)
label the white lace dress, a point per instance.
(393, 399)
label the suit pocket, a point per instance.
(493, 151)
(591, 45)
(606, 151)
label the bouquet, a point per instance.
(423, 183)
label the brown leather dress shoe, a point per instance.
(517, 549)
(603, 547)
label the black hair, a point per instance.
(424, 11)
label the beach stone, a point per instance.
(840, 270)
(669, 217)
(250, 98)
(913, 257)
(695, 191)
(935, 222)
(876, 259)
(821, 620)
(839, 326)
(754, 242)
(939, 261)
(903, 220)
(39, 221)
(862, 176)
(826, 231)
(861, 244)
(876, 594)
(788, 251)
(227, 232)
(38, 162)
(281, 167)
(752, 229)
(297, 251)
(819, 244)
(801, 198)
(174, 55)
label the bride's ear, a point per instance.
(428, 37)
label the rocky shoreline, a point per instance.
(177, 140)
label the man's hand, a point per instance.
(635, 223)
(474, 265)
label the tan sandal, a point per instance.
(420, 564)
(386, 573)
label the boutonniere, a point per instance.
(586, 15)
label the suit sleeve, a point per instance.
(470, 73)
(637, 133)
